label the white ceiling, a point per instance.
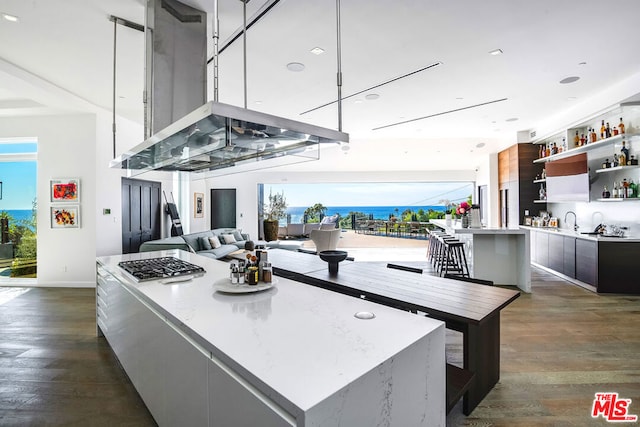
(59, 57)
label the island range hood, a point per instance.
(214, 138)
(218, 136)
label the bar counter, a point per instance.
(502, 255)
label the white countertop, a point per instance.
(302, 342)
(456, 227)
(571, 233)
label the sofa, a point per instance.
(197, 243)
(303, 230)
(230, 240)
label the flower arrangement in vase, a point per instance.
(462, 211)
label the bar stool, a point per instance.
(434, 244)
(455, 259)
(442, 255)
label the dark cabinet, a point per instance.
(609, 266)
(556, 252)
(569, 257)
(587, 261)
(542, 249)
(516, 172)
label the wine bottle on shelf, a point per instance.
(621, 126)
(606, 194)
(633, 189)
(607, 131)
(614, 194)
(625, 188)
(615, 161)
(547, 152)
(554, 149)
(576, 139)
(583, 140)
(593, 135)
(564, 144)
(615, 131)
(624, 154)
(603, 129)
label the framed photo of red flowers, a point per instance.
(65, 190)
(67, 216)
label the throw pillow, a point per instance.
(204, 243)
(214, 241)
(238, 236)
(228, 239)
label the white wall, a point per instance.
(488, 175)
(66, 257)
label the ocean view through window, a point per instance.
(18, 207)
(372, 200)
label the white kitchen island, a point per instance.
(293, 355)
(502, 255)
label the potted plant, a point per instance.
(274, 210)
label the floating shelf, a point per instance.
(617, 199)
(536, 181)
(587, 147)
(539, 201)
(617, 168)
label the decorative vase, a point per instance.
(447, 219)
(465, 221)
(270, 230)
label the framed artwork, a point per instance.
(65, 190)
(65, 216)
(198, 205)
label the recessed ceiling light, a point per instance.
(459, 98)
(582, 63)
(512, 119)
(371, 96)
(10, 18)
(571, 79)
(496, 52)
(480, 145)
(317, 51)
(258, 102)
(358, 101)
(295, 66)
(571, 98)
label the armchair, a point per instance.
(325, 240)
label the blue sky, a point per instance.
(372, 194)
(18, 178)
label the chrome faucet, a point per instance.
(575, 220)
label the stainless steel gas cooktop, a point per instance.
(160, 268)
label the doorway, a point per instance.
(141, 213)
(18, 210)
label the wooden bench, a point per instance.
(470, 308)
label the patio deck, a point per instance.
(379, 248)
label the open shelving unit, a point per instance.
(617, 168)
(587, 147)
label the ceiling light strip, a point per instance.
(374, 87)
(440, 114)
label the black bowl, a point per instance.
(333, 258)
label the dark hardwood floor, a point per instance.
(55, 371)
(560, 345)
